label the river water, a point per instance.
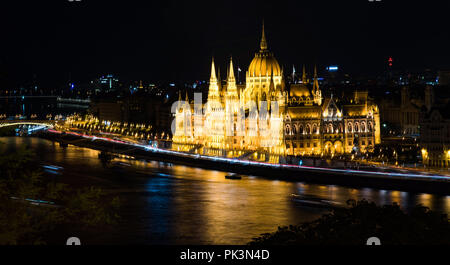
(173, 204)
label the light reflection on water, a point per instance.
(174, 204)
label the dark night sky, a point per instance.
(174, 40)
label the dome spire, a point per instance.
(263, 44)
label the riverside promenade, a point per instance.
(406, 181)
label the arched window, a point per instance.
(288, 129)
(330, 128)
(363, 126)
(314, 128)
(308, 128)
(294, 130)
(300, 129)
(370, 126)
(350, 127)
(356, 127)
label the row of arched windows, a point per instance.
(333, 129)
(301, 129)
(352, 127)
(359, 127)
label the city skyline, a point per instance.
(166, 41)
(184, 124)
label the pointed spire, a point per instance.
(231, 71)
(213, 77)
(316, 81)
(179, 99)
(263, 44)
(232, 91)
(213, 91)
(304, 75)
(187, 98)
(316, 91)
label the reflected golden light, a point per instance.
(447, 204)
(425, 199)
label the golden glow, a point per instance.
(306, 123)
(264, 65)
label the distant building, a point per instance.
(108, 110)
(424, 77)
(402, 113)
(106, 83)
(134, 109)
(435, 136)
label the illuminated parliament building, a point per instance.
(268, 119)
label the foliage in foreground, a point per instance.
(362, 220)
(24, 223)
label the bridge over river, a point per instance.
(44, 123)
(28, 126)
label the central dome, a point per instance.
(264, 63)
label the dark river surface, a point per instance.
(172, 204)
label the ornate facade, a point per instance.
(268, 117)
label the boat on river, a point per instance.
(233, 176)
(314, 202)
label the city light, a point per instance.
(332, 68)
(189, 127)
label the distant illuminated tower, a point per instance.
(317, 93)
(390, 62)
